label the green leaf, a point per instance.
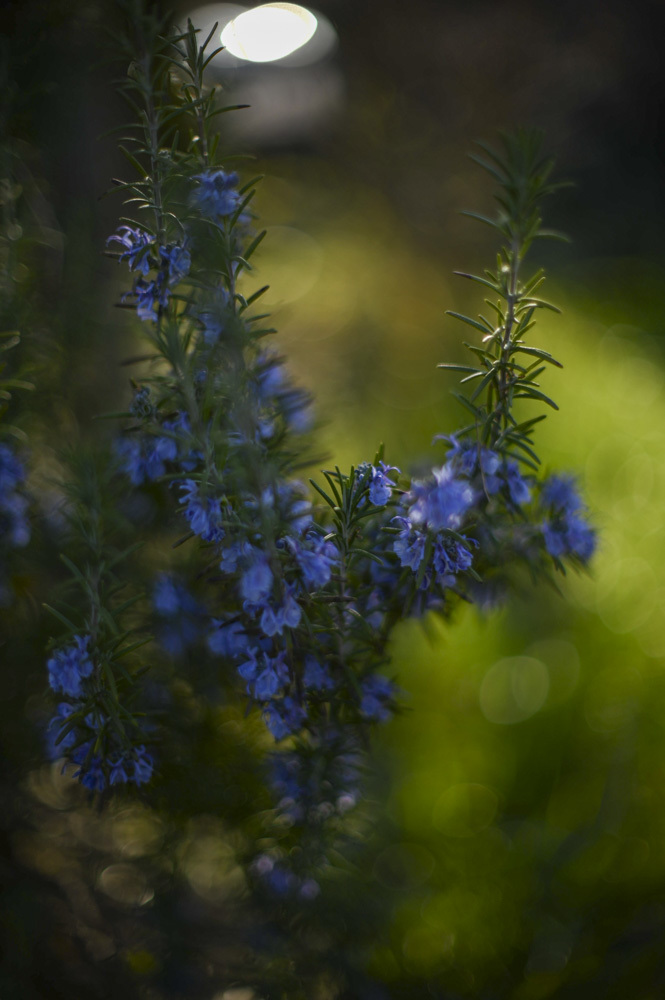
(459, 368)
(470, 322)
(488, 167)
(493, 155)
(140, 169)
(254, 244)
(536, 394)
(181, 541)
(469, 405)
(252, 298)
(108, 670)
(542, 304)
(366, 553)
(73, 569)
(491, 374)
(333, 486)
(485, 356)
(552, 234)
(480, 281)
(126, 650)
(17, 383)
(484, 219)
(331, 503)
(61, 618)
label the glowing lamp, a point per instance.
(269, 32)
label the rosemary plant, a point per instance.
(301, 586)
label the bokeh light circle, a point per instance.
(514, 689)
(269, 32)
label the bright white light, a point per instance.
(269, 32)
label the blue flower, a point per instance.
(56, 725)
(180, 444)
(256, 581)
(569, 534)
(266, 676)
(180, 424)
(377, 694)
(276, 617)
(143, 766)
(170, 598)
(451, 556)
(463, 455)
(318, 561)
(203, 513)
(175, 261)
(296, 406)
(409, 546)
(135, 242)
(565, 530)
(380, 487)
(250, 668)
(289, 502)
(215, 195)
(231, 555)
(143, 458)
(141, 405)
(271, 378)
(581, 538)
(118, 773)
(228, 638)
(68, 667)
(285, 717)
(560, 493)
(92, 776)
(441, 503)
(316, 676)
(517, 485)
(470, 458)
(272, 680)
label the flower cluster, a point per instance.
(142, 253)
(302, 598)
(83, 735)
(276, 397)
(429, 542)
(145, 455)
(278, 564)
(216, 195)
(69, 667)
(488, 472)
(565, 529)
